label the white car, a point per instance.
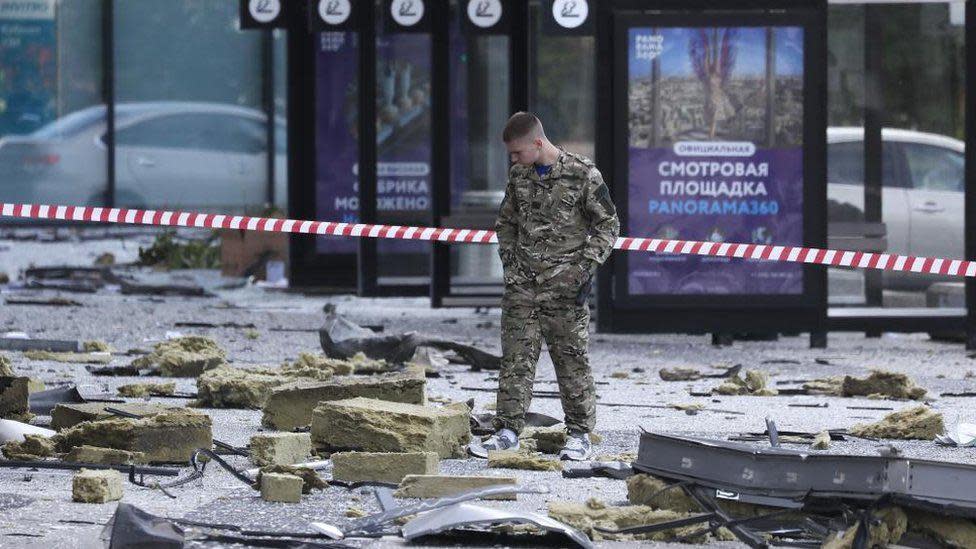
(168, 155)
(922, 196)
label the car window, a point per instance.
(213, 132)
(934, 168)
(845, 164)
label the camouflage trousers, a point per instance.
(529, 315)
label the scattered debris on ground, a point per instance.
(887, 384)
(821, 441)
(70, 358)
(96, 346)
(680, 374)
(168, 437)
(310, 479)
(280, 448)
(182, 357)
(389, 468)
(290, 406)
(919, 423)
(15, 399)
(643, 489)
(67, 415)
(755, 383)
(6, 367)
(436, 486)
(103, 456)
(281, 488)
(31, 448)
(381, 426)
(99, 486)
(522, 460)
(594, 518)
(138, 390)
(43, 302)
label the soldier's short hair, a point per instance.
(520, 125)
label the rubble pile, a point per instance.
(644, 489)
(882, 384)
(310, 479)
(389, 468)
(290, 406)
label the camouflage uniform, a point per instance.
(553, 232)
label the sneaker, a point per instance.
(506, 439)
(578, 447)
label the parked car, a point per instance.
(923, 177)
(168, 155)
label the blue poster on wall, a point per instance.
(28, 65)
(715, 120)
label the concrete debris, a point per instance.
(69, 358)
(821, 441)
(620, 375)
(15, 399)
(96, 346)
(889, 526)
(832, 386)
(138, 390)
(435, 486)
(918, 423)
(310, 479)
(290, 406)
(31, 448)
(522, 460)
(755, 384)
(625, 457)
(888, 384)
(70, 414)
(548, 440)
(357, 363)
(101, 486)
(103, 456)
(381, 426)
(390, 468)
(680, 374)
(168, 437)
(952, 532)
(6, 367)
(281, 488)
(280, 448)
(587, 517)
(49, 302)
(182, 357)
(228, 387)
(644, 489)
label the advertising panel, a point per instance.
(715, 153)
(28, 65)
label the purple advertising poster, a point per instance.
(402, 134)
(715, 120)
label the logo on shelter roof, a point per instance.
(407, 13)
(484, 13)
(334, 12)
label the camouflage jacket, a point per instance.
(561, 221)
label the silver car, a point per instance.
(922, 193)
(168, 155)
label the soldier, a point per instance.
(556, 225)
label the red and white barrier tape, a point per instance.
(793, 254)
